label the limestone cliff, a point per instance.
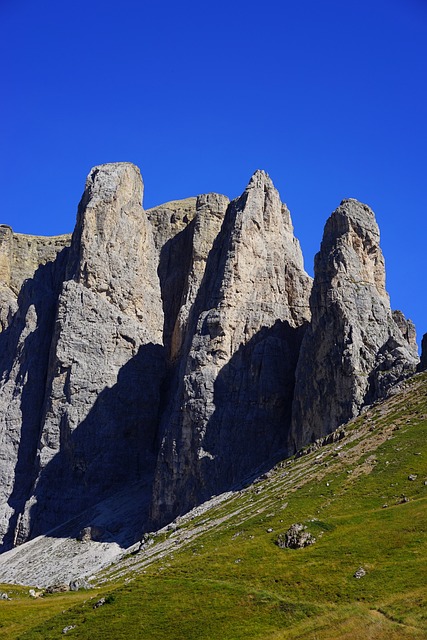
(96, 424)
(423, 362)
(232, 391)
(353, 350)
(31, 273)
(155, 358)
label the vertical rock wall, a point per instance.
(230, 410)
(423, 362)
(171, 353)
(353, 350)
(97, 427)
(31, 272)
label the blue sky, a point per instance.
(330, 98)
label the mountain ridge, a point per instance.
(161, 348)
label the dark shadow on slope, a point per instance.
(113, 448)
(249, 430)
(253, 394)
(31, 346)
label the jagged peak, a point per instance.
(260, 180)
(225, 290)
(359, 215)
(106, 182)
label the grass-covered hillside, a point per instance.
(219, 574)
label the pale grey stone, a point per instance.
(233, 385)
(423, 362)
(93, 390)
(353, 351)
(149, 362)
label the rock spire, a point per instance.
(230, 410)
(353, 350)
(158, 357)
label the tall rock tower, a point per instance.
(353, 350)
(99, 362)
(231, 403)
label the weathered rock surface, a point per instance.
(31, 271)
(184, 232)
(170, 219)
(407, 328)
(353, 351)
(296, 537)
(96, 426)
(21, 256)
(423, 362)
(150, 361)
(233, 387)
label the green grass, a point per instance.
(234, 582)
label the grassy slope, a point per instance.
(233, 582)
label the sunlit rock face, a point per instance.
(158, 357)
(353, 350)
(231, 400)
(97, 360)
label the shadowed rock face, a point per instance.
(157, 355)
(407, 329)
(103, 362)
(423, 362)
(353, 350)
(31, 270)
(232, 391)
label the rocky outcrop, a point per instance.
(353, 351)
(31, 272)
(169, 219)
(423, 362)
(407, 329)
(97, 425)
(233, 386)
(155, 358)
(21, 256)
(184, 232)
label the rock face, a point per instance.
(407, 329)
(157, 357)
(31, 270)
(296, 537)
(96, 426)
(184, 233)
(354, 350)
(423, 362)
(234, 383)
(22, 258)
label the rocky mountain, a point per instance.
(158, 357)
(355, 348)
(233, 386)
(423, 362)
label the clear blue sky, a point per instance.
(329, 97)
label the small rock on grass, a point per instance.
(79, 583)
(67, 629)
(100, 602)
